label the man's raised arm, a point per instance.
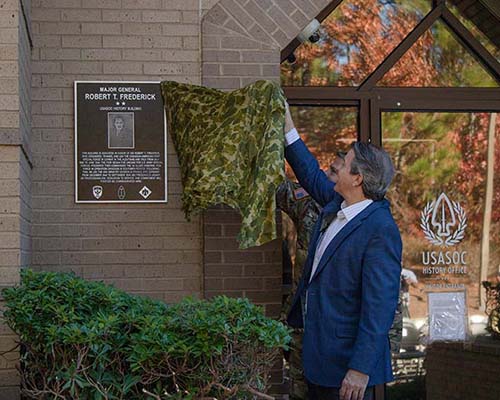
(305, 166)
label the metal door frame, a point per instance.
(372, 100)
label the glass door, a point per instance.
(446, 200)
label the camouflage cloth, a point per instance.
(292, 199)
(231, 150)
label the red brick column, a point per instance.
(254, 273)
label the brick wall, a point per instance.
(241, 43)
(10, 256)
(146, 249)
(25, 172)
(254, 273)
(457, 372)
(15, 169)
(207, 5)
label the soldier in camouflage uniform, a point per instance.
(293, 200)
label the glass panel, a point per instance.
(437, 59)
(325, 130)
(450, 231)
(354, 40)
(485, 41)
(493, 169)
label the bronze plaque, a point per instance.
(120, 142)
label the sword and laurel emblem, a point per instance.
(443, 221)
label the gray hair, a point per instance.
(375, 165)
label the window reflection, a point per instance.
(437, 59)
(485, 41)
(325, 130)
(442, 163)
(355, 39)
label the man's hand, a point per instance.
(353, 385)
(288, 119)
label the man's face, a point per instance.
(119, 124)
(340, 172)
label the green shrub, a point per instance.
(88, 340)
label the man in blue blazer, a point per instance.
(348, 293)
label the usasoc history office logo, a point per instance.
(443, 221)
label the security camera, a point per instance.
(314, 37)
(291, 58)
(310, 32)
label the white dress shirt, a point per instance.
(346, 214)
(291, 136)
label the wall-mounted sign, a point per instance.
(120, 142)
(447, 316)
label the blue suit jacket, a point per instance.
(353, 295)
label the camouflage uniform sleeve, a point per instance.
(285, 200)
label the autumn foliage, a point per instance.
(433, 152)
